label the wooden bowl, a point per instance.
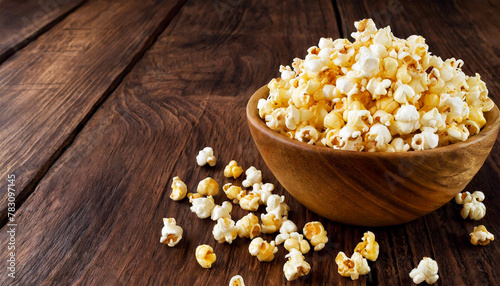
(365, 188)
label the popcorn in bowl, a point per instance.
(378, 93)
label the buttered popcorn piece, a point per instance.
(179, 189)
(254, 176)
(286, 228)
(340, 90)
(236, 280)
(203, 206)
(297, 241)
(263, 190)
(233, 170)
(223, 211)
(296, 266)
(352, 267)
(206, 156)
(205, 255)
(276, 204)
(480, 235)
(225, 230)
(426, 271)
(208, 187)
(248, 226)
(171, 233)
(472, 205)
(250, 202)
(262, 249)
(233, 192)
(271, 222)
(369, 248)
(316, 233)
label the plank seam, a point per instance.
(150, 41)
(36, 34)
(338, 18)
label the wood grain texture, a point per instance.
(21, 21)
(50, 88)
(365, 188)
(95, 217)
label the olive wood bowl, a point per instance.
(371, 188)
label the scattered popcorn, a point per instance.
(248, 226)
(263, 190)
(250, 202)
(297, 241)
(369, 248)
(254, 176)
(233, 192)
(276, 204)
(426, 271)
(171, 233)
(225, 230)
(271, 222)
(192, 196)
(206, 156)
(179, 189)
(352, 267)
(233, 170)
(316, 233)
(262, 249)
(473, 206)
(208, 187)
(481, 236)
(205, 255)
(296, 266)
(203, 206)
(237, 280)
(337, 94)
(286, 228)
(221, 211)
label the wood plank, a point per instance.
(468, 31)
(22, 21)
(104, 199)
(51, 88)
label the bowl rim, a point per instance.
(492, 126)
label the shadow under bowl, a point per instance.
(371, 188)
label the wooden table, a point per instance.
(104, 102)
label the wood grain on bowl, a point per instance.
(370, 188)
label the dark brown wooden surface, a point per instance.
(95, 155)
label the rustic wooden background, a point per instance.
(104, 102)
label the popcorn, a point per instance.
(221, 211)
(262, 249)
(248, 226)
(236, 280)
(271, 222)
(179, 189)
(206, 156)
(481, 236)
(232, 170)
(225, 230)
(205, 255)
(208, 187)
(426, 271)
(203, 206)
(250, 202)
(254, 176)
(276, 204)
(473, 206)
(340, 90)
(297, 241)
(352, 267)
(296, 266)
(234, 193)
(369, 248)
(171, 233)
(263, 190)
(286, 228)
(316, 233)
